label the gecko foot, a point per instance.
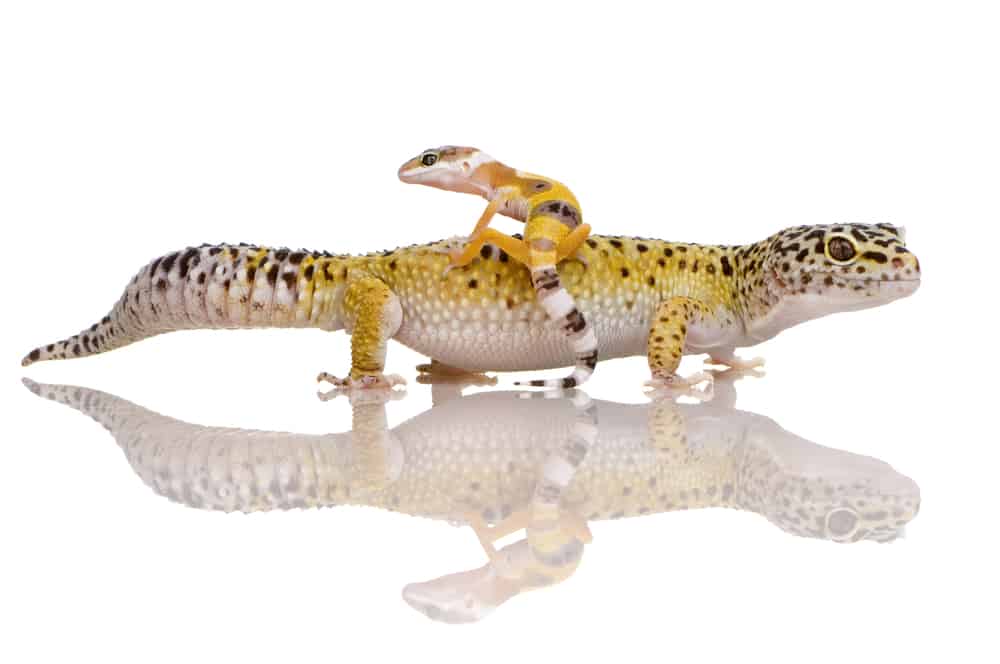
(672, 386)
(737, 363)
(357, 388)
(438, 373)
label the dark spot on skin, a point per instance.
(801, 256)
(503, 258)
(201, 278)
(694, 268)
(486, 251)
(624, 273)
(901, 250)
(785, 267)
(668, 252)
(876, 256)
(510, 303)
(392, 265)
(641, 248)
(168, 262)
(34, 355)
(710, 268)
(616, 244)
(281, 254)
(661, 262)
(651, 281)
(214, 251)
(682, 249)
(682, 264)
(272, 275)
(592, 244)
(858, 235)
(310, 269)
(473, 283)
(828, 281)
(727, 269)
(251, 273)
(161, 284)
(289, 278)
(185, 262)
(76, 349)
(297, 257)
(860, 269)
(50, 348)
(817, 234)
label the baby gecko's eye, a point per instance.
(840, 249)
(429, 159)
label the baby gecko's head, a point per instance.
(451, 168)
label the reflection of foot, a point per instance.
(737, 363)
(437, 373)
(673, 386)
(370, 385)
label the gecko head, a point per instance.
(448, 167)
(810, 271)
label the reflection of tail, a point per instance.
(560, 306)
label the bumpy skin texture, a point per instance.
(545, 465)
(553, 231)
(484, 316)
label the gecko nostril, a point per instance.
(897, 263)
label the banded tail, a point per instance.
(560, 306)
(208, 287)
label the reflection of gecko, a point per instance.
(554, 230)
(478, 460)
(649, 297)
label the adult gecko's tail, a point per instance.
(209, 287)
(560, 306)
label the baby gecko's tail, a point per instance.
(560, 306)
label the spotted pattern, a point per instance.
(618, 288)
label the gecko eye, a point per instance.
(429, 159)
(842, 523)
(840, 249)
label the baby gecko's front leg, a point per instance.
(372, 314)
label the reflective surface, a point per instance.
(533, 469)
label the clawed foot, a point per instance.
(365, 388)
(674, 386)
(738, 363)
(436, 373)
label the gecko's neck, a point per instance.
(491, 176)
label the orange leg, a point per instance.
(516, 248)
(571, 243)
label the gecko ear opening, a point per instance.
(466, 167)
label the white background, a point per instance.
(131, 129)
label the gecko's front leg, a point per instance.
(372, 314)
(666, 346)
